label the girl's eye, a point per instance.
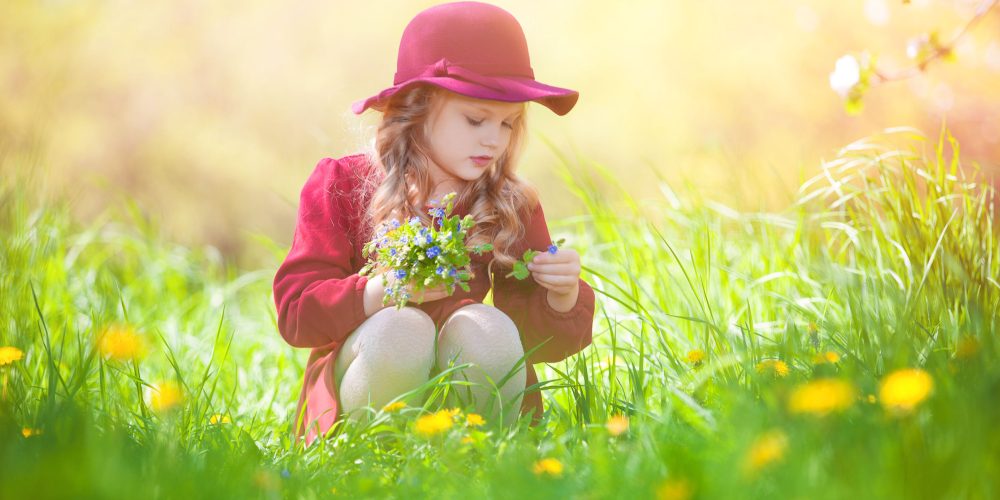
(480, 122)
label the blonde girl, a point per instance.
(453, 121)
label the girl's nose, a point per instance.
(491, 138)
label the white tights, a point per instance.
(392, 352)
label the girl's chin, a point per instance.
(471, 175)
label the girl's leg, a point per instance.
(392, 352)
(484, 335)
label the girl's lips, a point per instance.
(481, 160)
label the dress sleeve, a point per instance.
(526, 303)
(320, 300)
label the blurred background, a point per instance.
(211, 115)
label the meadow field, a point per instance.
(844, 347)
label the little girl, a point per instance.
(452, 122)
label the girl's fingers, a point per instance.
(432, 294)
(555, 279)
(563, 268)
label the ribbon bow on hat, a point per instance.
(445, 68)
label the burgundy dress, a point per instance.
(320, 296)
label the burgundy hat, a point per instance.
(474, 49)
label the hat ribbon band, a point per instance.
(444, 67)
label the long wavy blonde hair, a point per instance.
(399, 183)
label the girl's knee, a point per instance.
(399, 335)
(483, 317)
(481, 334)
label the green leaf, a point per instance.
(854, 105)
(479, 249)
(364, 270)
(520, 271)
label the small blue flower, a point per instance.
(392, 251)
(436, 212)
(414, 221)
(388, 291)
(440, 270)
(452, 272)
(404, 240)
(400, 273)
(394, 223)
(381, 231)
(552, 249)
(433, 252)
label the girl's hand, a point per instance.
(426, 295)
(558, 272)
(375, 293)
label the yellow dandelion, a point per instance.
(768, 448)
(28, 432)
(454, 412)
(121, 343)
(967, 347)
(902, 390)
(9, 355)
(617, 425)
(166, 396)
(695, 357)
(773, 367)
(548, 466)
(474, 420)
(468, 440)
(434, 424)
(219, 419)
(821, 396)
(826, 357)
(391, 407)
(677, 489)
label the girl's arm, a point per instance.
(526, 302)
(319, 298)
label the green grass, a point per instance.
(889, 259)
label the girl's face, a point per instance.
(466, 136)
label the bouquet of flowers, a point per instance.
(425, 257)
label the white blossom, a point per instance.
(846, 74)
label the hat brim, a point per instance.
(510, 89)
